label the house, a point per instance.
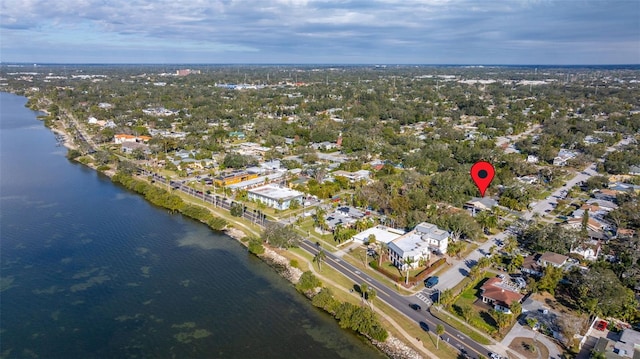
(344, 216)
(353, 176)
(477, 204)
(129, 147)
(563, 156)
(122, 138)
(382, 234)
(593, 224)
(604, 205)
(606, 194)
(531, 265)
(501, 294)
(627, 346)
(275, 196)
(589, 250)
(634, 170)
(418, 244)
(532, 159)
(554, 259)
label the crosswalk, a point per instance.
(424, 297)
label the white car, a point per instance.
(494, 356)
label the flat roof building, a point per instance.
(275, 196)
(418, 244)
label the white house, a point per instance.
(418, 244)
(383, 234)
(275, 196)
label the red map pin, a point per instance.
(482, 173)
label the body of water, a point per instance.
(90, 270)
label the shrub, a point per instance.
(255, 246)
(307, 282)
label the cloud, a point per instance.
(415, 31)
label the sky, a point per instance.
(466, 32)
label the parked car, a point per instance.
(431, 282)
(601, 325)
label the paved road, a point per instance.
(401, 303)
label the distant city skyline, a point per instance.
(465, 32)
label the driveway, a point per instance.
(520, 331)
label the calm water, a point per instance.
(89, 270)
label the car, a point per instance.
(494, 356)
(424, 326)
(431, 282)
(415, 307)
(601, 325)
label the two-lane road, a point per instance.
(400, 303)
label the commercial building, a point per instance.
(275, 196)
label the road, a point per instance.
(460, 269)
(400, 303)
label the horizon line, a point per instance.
(306, 64)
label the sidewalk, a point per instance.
(416, 344)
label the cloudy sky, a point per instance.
(321, 31)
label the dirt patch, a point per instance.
(528, 348)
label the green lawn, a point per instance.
(480, 318)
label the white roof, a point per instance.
(276, 192)
(383, 234)
(410, 245)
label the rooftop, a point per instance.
(276, 192)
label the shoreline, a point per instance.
(393, 347)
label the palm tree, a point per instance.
(407, 264)
(320, 257)
(384, 248)
(439, 332)
(371, 295)
(364, 288)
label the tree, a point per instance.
(532, 322)
(281, 236)
(439, 332)
(446, 297)
(467, 312)
(584, 233)
(502, 319)
(319, 258)
(383, 250)
(550, 279)
(516, 308)
(407, 265)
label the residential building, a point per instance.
(418, 244)
(477, 204)
(531, 266)
(500, 293)
(122, 138)
(275, 196)
(629, 344)
(344, 216)
(353, 176)
(532, 159)
(554, 259)
(563, 156)
(589, 250)
(382, 234)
